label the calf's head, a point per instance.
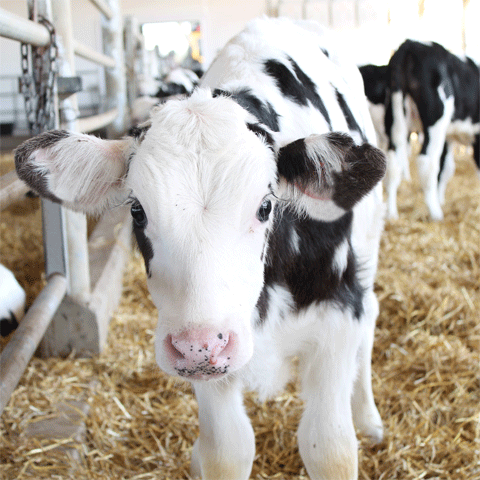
(203, 180)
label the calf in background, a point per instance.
(443, 92)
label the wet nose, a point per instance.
(200, 353)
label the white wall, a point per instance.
(219, 19)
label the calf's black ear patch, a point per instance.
(365, 166)
(33, 177)
(293, 162)
(332, 166)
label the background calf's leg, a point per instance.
(447, 169)
(428, 162)
(397, 155)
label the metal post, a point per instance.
(131, 41)
(116, 85)
(53, 221)
(304, 10)
(75, 223)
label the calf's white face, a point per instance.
(203, 180)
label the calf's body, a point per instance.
(444, 92)
(257, 206)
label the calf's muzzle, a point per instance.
(201, 354)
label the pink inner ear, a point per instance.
(310, 193)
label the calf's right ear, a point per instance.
(79, 171)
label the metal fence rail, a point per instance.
(17, 28)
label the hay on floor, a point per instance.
(141, 424)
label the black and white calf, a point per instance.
(178, 82)
(376, 80)
(257, 205)
(444, 91)
(12, 301)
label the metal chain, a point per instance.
(39, 72)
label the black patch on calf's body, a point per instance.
(8, 324)
(299, 87)
(375, 80)
(260, 132)
(262, 304)
(138, 132)
(310, 274)
(347, 113)
(292, 162)
(31, 176)
(443, 157)
(263, 111)
(171, 89)
(476, 150)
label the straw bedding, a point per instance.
(141, 424)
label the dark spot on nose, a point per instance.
(220, 336)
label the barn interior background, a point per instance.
(115, 415)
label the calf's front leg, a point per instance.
(326, 435)
(226, 445)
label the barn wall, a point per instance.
(219, 20)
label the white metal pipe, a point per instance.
(21, 347)
(11, 189)
(75, 223)
(131, 30)
(104, 8)
(115, 78)
(89, 124)
(88, 53)
(17, 28)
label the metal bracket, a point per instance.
(68, 86)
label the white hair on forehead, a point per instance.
(199, 121)
(200, 166)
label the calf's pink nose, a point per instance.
(200, 352)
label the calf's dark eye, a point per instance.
(264, 211)
(138, 214)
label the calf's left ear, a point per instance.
(326, 175)
(79, 171)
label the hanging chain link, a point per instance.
(39, 72)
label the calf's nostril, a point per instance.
(173, 347)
